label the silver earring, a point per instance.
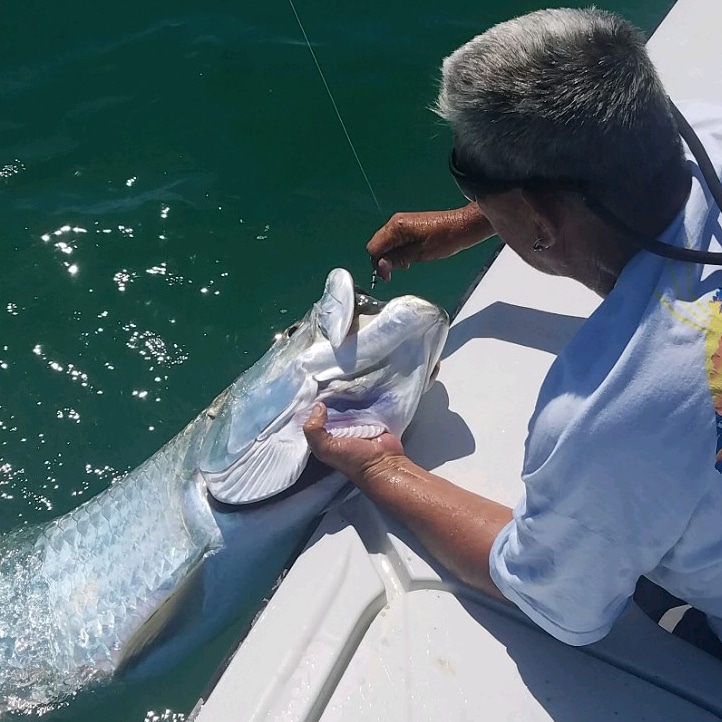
(539, 245)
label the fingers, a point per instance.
(386, 264)
(392, 246)
(408, 238)
(382, 241)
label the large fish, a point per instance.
(158, 562)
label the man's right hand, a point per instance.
(412, 237)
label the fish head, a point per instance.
(368, 360)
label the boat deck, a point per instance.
(366, 627)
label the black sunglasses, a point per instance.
(474, 184)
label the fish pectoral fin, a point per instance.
(268, 467)
(161, 623)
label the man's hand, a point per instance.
(455, 525)
(355, 458)
(412, 237)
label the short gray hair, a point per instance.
(561, 93)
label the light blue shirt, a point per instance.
(621, 467)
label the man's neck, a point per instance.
(648, 220)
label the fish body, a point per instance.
(141, 574)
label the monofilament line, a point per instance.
(336, 110)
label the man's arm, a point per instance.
(457, 526)
(408, 238)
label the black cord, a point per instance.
(700, 154)
(713, 183)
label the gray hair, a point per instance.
(561, 93)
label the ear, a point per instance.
(549, 211)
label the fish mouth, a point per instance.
(347, 314)
(366, 308)
(377, 330)
(366, 304)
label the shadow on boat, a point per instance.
(530, 327)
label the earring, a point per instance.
(539, 245)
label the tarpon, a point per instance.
(157, 563)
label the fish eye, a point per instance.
(292, 329)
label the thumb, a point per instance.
(314, 428)
(384, 268)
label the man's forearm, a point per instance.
(457, 526)
(467, 227)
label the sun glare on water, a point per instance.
(165, 716)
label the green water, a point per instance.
(174, 188)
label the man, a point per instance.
(566, 146)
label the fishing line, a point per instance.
(340, 120)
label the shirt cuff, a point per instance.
(511, 587)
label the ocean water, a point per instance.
(174, 187)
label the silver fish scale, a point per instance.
(78, 587)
